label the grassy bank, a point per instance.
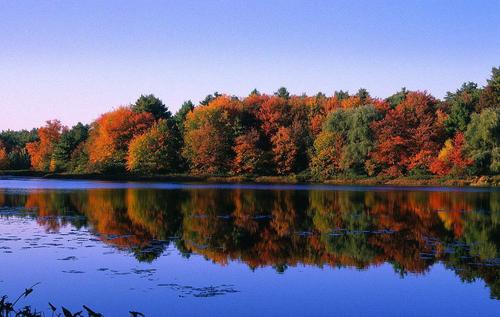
(482, 181)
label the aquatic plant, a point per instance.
(9, 309)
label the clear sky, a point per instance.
(73, 60)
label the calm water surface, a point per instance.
(212, 250)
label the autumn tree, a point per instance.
(154, 151)
(285, 150)
(209, 135)
(326, 161)
(274, 113)
(110, 135)
(249, 156)
(41, 151)
(287, 119)
(451, 158)
(408, 137)
(4, 158)
(362, 97)
(301, 131)
(252, 105)
(320, 106)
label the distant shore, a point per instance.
(475, 181)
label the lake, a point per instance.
(269, 250)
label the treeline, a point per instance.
(344, 135)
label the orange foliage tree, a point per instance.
(285, 151)
(249, 156)
(4, 157)
(273, 113)
(40, 151)
(110, 135)
(319, 107)
(287, 128)
(209, 135)
(451, 158)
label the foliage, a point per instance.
(249, 156)
(209, 98)
(4, 158)
(18, 139)
(209, 136)
(285, 150)
(461, 103)
(408, 133)
(151, 104)
(326, 162)
(451, 158)
(41, 151)
(490, 98)
(8, 308)
(409, 136)
(14, 143)
(282, 92)
(341, 95)
(110, 134)
(483, 140)
(352, 126)
(68, 142)
(181, 114)
(154, 151)
(397, 98)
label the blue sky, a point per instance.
(73, 60)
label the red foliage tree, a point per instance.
(408, 137)
(248, 155)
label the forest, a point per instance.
(320, 137)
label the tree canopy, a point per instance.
(319, 136)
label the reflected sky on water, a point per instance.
(251, 249)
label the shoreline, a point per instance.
(475, 181)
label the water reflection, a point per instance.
(411, 230)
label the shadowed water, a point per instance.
(250, 249)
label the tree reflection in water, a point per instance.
(412, 230)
